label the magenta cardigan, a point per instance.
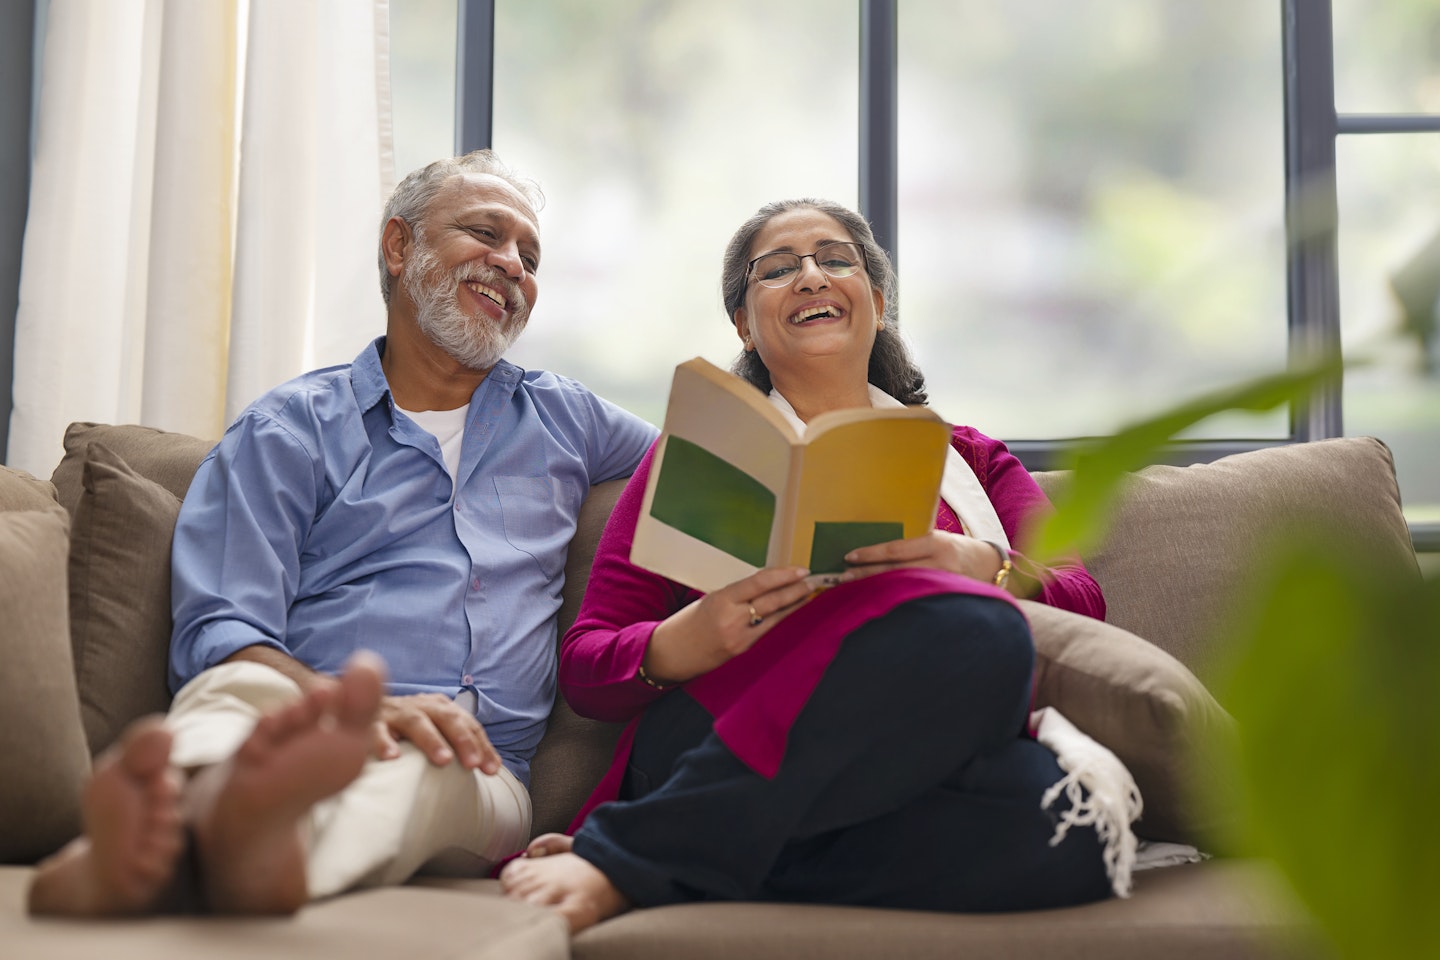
(756, 696)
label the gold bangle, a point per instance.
(652, 683)
(1002, 576)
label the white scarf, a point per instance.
(1102, 793)
(958, 486)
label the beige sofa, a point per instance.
(80, 662)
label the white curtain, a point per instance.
(205, 200)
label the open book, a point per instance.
(735, 488)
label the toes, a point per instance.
(517, 881)
(162, 791)
(278, 726)
(145, 748)
(549, 843)
(361, 687)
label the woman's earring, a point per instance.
(749, 344)
(879, 325)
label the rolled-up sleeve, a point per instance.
(235, 564)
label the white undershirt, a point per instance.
(448, 429)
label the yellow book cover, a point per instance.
(735, 488)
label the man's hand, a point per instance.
(442, 729)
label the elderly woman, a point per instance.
(892, 764)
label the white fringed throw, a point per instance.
(1101, 792)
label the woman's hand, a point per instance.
(723, 624)
(937, 550)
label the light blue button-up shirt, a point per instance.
(324, 523)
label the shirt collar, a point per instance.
(368, 377)
(370, 385)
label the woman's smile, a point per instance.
(816, 312)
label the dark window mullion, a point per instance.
(1310, 205)
(878, 127)
(474, 74)
(1388, 123)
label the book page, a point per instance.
(708, 517)
(865, 481)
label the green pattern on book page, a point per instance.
(834, 540)
(713, 501)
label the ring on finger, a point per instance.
(755, 618)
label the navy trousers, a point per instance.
(907, 782)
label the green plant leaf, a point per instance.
(1083, 506)
(1333, 680)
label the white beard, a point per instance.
(476, 342)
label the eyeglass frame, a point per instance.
(814, 256)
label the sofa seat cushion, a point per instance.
(394, 923)
(1230, 909)
(41, 740)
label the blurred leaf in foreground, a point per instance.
(1083, 506)
(1334, 679)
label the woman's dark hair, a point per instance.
(891, 367)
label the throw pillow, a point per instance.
(21, 491)
(42, 745)
(120, 595)
(1143, 704)
(167, 458)
(1182, 539)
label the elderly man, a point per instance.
(416, 503)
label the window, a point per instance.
(1387, 87)
(1389, 189)
(1090, 203)
(655, 129)
(1091, 208)
(422, 81)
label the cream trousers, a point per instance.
(398, 818)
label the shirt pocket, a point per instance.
(539, 517)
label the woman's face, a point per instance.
(812, 322)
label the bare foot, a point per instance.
(548, 843)
(565, 882)
(126, 858)
(247, 812)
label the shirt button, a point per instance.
(467, 679)
(474, 583)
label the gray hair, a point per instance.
(892, 369)
(411, 199)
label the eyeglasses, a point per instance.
(836, 260)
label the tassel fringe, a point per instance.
(1101, 793)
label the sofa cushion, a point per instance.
(1230, 910)
(1140, 702)
(575, 751)
(169, 459)
(120, 594)
(42, 744)
(375, 924)
(21, 491)
(1183, 539)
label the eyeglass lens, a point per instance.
(837, 260)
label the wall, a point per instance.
(17, 33)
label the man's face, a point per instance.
(471, 269)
